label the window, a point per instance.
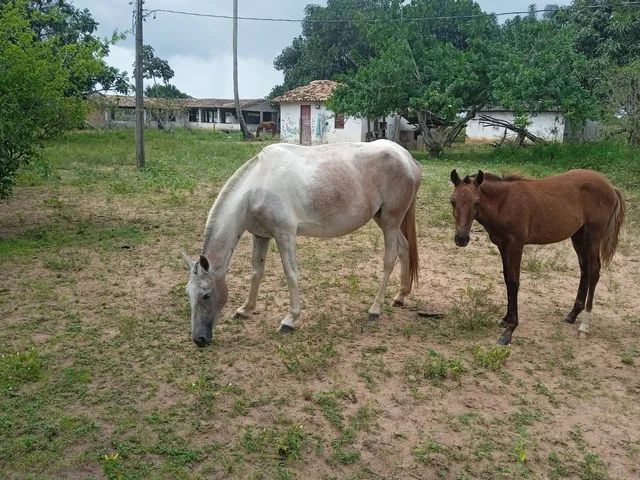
(251, 118)
(208, 115)
(193, 114)
(267, 116)
(339, 120)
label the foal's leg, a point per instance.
(390, 255)
(511, 258)
(405, 275)
(287, 247)
(260, 249)
(579, 244)
(593, 263)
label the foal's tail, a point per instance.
(408, 229)
(610, 241)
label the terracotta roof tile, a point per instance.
(130, 101)
(316, 91)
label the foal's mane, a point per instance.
(494, 178)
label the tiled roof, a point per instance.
(316, 91)
(130, 101)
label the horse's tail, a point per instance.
(610, 240)
(408, 229)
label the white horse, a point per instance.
(324, 191)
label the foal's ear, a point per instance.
(479, 177)
(204, 263)
(455, 178)
(188, 262)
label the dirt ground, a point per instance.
(406, 397)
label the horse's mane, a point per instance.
(227, 190)
(494, 178)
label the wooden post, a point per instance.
(246, 134)
(139, 89)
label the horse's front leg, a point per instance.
(390, 255)
(287, 247)
(260, 249)
(511, 258)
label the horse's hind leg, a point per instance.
(260, 249)
(405, 276)
(579, 244)
(390, 254)
(593, 269)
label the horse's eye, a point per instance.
(453, 203)
(206, 296)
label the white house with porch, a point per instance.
(305, 119)
(206, 113)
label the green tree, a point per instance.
(539, 69)
(605, 29)
(623, 94)
(36, 79)
(61, 24)
(329, 46)
(436, 71)
(155, 68)
(164, 91)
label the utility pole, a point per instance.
(246, 134)
(139, 89)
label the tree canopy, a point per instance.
(442, 61)
(39, 95)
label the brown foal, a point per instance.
(517, 211)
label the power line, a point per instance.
(406, 20)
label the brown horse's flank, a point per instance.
(516, 211)
(268, 125)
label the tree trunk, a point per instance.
(246, 134)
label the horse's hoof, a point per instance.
(239, 314)
(398, 303)
(570, 319)
(505, 339)
(372, 317)
(284, 328)
(582, 334)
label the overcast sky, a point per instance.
(199, 49)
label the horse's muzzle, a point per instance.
(202, 341)
(461, 240)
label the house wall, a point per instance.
(322, 125)
(546, 125)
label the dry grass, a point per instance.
(107, 384)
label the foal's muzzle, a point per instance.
(461, 240)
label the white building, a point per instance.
(306, 120)
(548, 125)
(206, 113)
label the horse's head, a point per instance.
(207, 295)
(465, 201)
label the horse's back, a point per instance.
(330, 190)
(559, 205)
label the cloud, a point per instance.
(209, 77)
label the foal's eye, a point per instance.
(206, 296)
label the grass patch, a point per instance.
(83, 234)
(492, 358)
(20, 368)
(475, 312)
(433, 367)
(306, 355)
